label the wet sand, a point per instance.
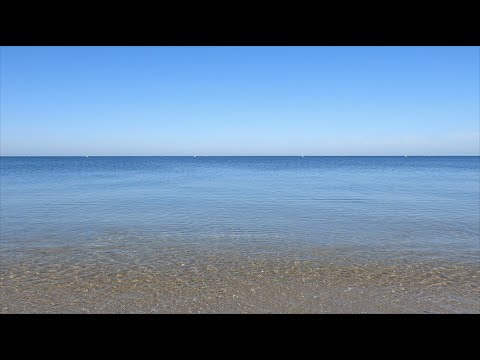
(320, 280)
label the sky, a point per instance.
(239, 101)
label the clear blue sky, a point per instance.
(240, 101)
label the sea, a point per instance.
(208, 234)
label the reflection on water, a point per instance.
(240, 234)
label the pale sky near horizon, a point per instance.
(239, 101)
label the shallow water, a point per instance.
(240, 234)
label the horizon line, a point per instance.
(472, 155)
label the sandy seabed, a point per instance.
(64, 280)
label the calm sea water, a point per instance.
(391, 207)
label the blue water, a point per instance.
(239, 234)
(269, 203)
